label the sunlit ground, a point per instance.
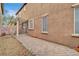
(10, 46)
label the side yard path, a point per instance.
(45, 48)
(10, 46)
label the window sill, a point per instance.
(30, 29)
(75, 35)
(45, 32)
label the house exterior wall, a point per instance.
(60, 22)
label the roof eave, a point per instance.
(20, 8)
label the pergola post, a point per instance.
(1, 18)
(17, 28)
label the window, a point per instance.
(31, 23)
(76, 20)
(44, 24)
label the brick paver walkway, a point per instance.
(9, 46)
(41, 47)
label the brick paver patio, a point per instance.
(41, 47)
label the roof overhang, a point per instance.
(20, 8)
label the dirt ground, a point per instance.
(9, 46)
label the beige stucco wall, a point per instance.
(60, 22)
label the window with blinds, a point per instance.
(44, 24)
(31, 23)
(76, 20)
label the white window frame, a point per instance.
(74, 20)
(45, 15)
(74, 5)
(29, 23)
(74, 34)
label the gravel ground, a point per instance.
(9, 46)
(45, 48)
